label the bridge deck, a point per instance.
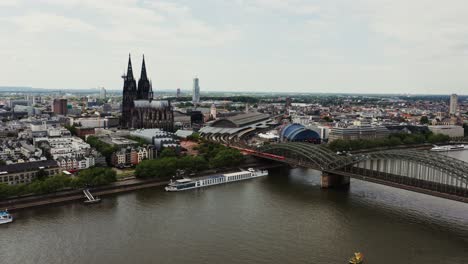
(420, 171)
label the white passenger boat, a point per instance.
(5, 217)
(186, 184)
(449, 148)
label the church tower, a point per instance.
(144, 85)
(129, 95)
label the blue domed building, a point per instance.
(299, 133)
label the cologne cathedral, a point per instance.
(139, 110)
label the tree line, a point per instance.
(211, 155)
(390, 141)
(43, 184)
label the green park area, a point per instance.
(210, 155)
(44, 184)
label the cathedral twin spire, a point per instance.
(143, 70)
(144, 89)
(129, 69)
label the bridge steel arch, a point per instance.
(456, 169)
(314, 156)
(421, 169)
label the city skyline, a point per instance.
(258, 46)
(243, 131)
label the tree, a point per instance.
(194, 137)
(168, 152)
(41, 174)
(226, 158)
(210, 155)
(7, 190)
(390, 141)
(192, 163)
(88, 177)
(394, 141)
(160, 168)
(95, 177)
(424, 120)
(105, 149)
(54, 183)
(72, 129)
(438, 138)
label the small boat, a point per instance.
(358, 258)
(5, 217)
(449, 148)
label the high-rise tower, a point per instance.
(102, 93)
(129, 95)
(453, 104)
(59, 106)
(196, 92)
(144, 85)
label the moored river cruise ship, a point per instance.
(186, 184)
(449, 148)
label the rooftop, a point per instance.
(118, 141)
(29, 166)
(240, 120)
(151, 104)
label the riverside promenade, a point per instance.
(122, 186)
(77, 195)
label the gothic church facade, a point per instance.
(139, 110)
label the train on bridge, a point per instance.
(420, 171)
(258, 153)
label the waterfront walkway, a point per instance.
(127, 185)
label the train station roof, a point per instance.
(240, 120)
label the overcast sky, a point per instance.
(362, 46)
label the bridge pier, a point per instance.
(330, 180)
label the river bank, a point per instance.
(126, 185)
(283, 218)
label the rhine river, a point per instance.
(283, 218)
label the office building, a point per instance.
(449, 130)
(21, 173)
(59, 106)
(453, 104)
(358, 132)
(102, 93)
(196, 92)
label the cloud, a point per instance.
(159, 22)
(271, 44)
(43, 22)
(9, 3)
(124, 21)
(298, 7)
(419, 28)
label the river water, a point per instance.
(283, 218)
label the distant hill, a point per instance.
(15, 88)
(48, 90)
